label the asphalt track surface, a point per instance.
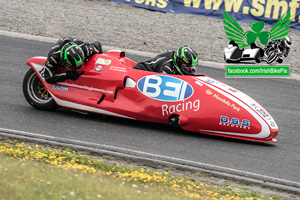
(279, 96)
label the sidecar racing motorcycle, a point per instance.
(195, 103)
(233, 54)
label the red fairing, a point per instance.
(110, 86)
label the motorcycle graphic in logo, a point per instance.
(265, 46)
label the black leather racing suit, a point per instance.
(275, 50)
(53, 59)
(279, 45)
(162, 63)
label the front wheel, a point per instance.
(36, 93)
(272, 56)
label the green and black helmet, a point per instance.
(186, 60)
(72, 56)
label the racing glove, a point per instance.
(91, 49)
(73, 75)
(96, 47)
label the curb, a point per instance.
(156, 160)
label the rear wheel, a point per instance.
(259, 55)
(36, 93)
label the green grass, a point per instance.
(35, 172)
(37, 180)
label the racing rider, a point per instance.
(71, 53)
(280, 47)
(181, 62)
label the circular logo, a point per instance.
(165, 88)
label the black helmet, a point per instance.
(186, 59)
(288, 41)
(72, 56)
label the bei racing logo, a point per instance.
(165, 88)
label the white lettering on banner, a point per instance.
(177, 108)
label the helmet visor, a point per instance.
(188, 69)
(74, 68)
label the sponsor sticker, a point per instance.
(220, 85)
(61, 88)
(272, 124)
(98, 68)
(261, 111)
(102, 61)
(232, 90)
(120, 69)
(165, 88)
(234, 122)
(179, 107)
(199, 83)
(84, 87)
(211, 81)
(223, 100)
(40, 69)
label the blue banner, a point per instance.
(268, 11)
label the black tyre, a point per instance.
(279, 60)
(36, 93)
(272, 56)
(259, 56)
